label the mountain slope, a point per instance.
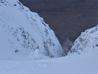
(85, 63)
(24, 33)
(87, 41)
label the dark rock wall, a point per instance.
(66, 17)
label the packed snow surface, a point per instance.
(73, 64)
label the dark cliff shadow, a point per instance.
(68, 18)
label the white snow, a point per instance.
(25, 34)
(73, 64)
(87, 41)
(84, 63)
(19, 26)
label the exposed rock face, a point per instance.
(24, 33)
(66, 17)
(87, 41)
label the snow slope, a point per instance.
(87, 41)
(84, 63)
(74, 64)
(25, 34)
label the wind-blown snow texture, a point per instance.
(24, 33)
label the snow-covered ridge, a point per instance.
(72, 64)
(24, 33)
(87, 41)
